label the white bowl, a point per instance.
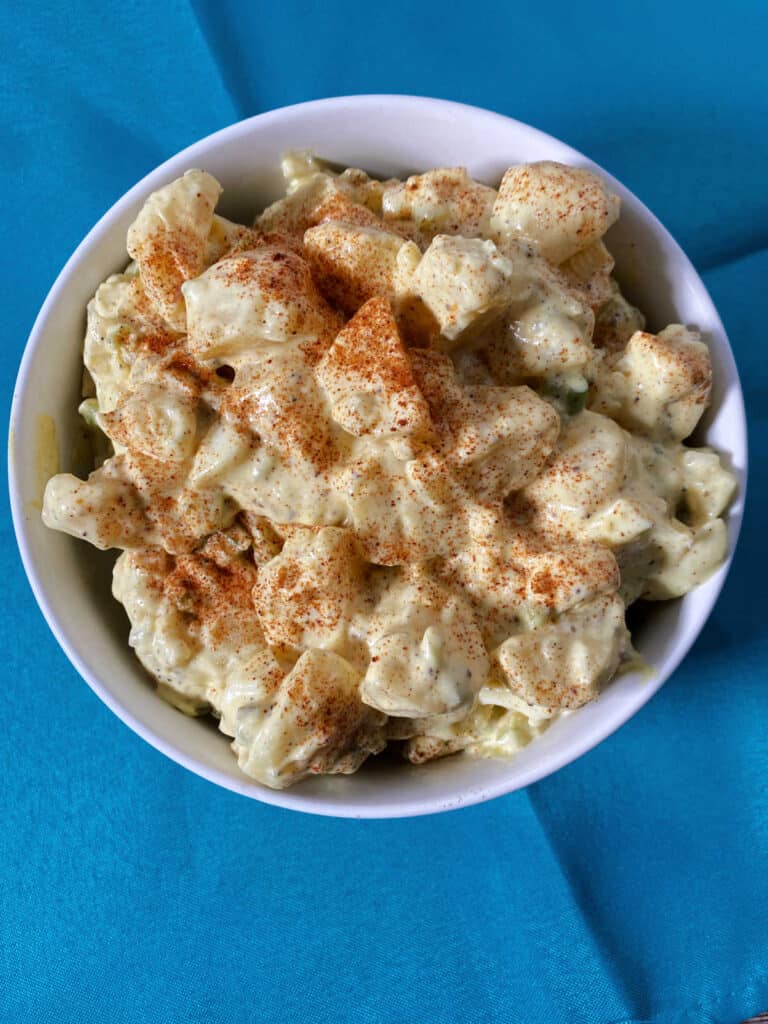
(389, 135)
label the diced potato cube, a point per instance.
(181, 515)
(168, 240)
(545, 342)
(589, 271)
(368, 377)
(498, 438)
(155, 419)
(352, 263)
(559, 210)
(223, 448)
(106, 509)
(318, 196)
(565, 663)
(305, 596)
(707, 484)
(445, 201)
(462, 281)
(121, 324)
(427, 654)
(659, 386)
(316, 724)
(255, 298)
(517, 576)
(279, 400)
(193, 625)
(299, 165)
(249, 691)
(620, 522)
(587, 471)
(671, 559)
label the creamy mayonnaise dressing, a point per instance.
(389, 465)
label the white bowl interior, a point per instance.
(387, 135)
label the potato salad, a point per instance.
(388, 466)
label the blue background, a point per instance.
(632, 885)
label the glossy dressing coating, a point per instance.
(388, 466)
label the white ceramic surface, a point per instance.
(386, 135)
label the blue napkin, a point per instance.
(631, 886)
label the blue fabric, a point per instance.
(631, 886)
